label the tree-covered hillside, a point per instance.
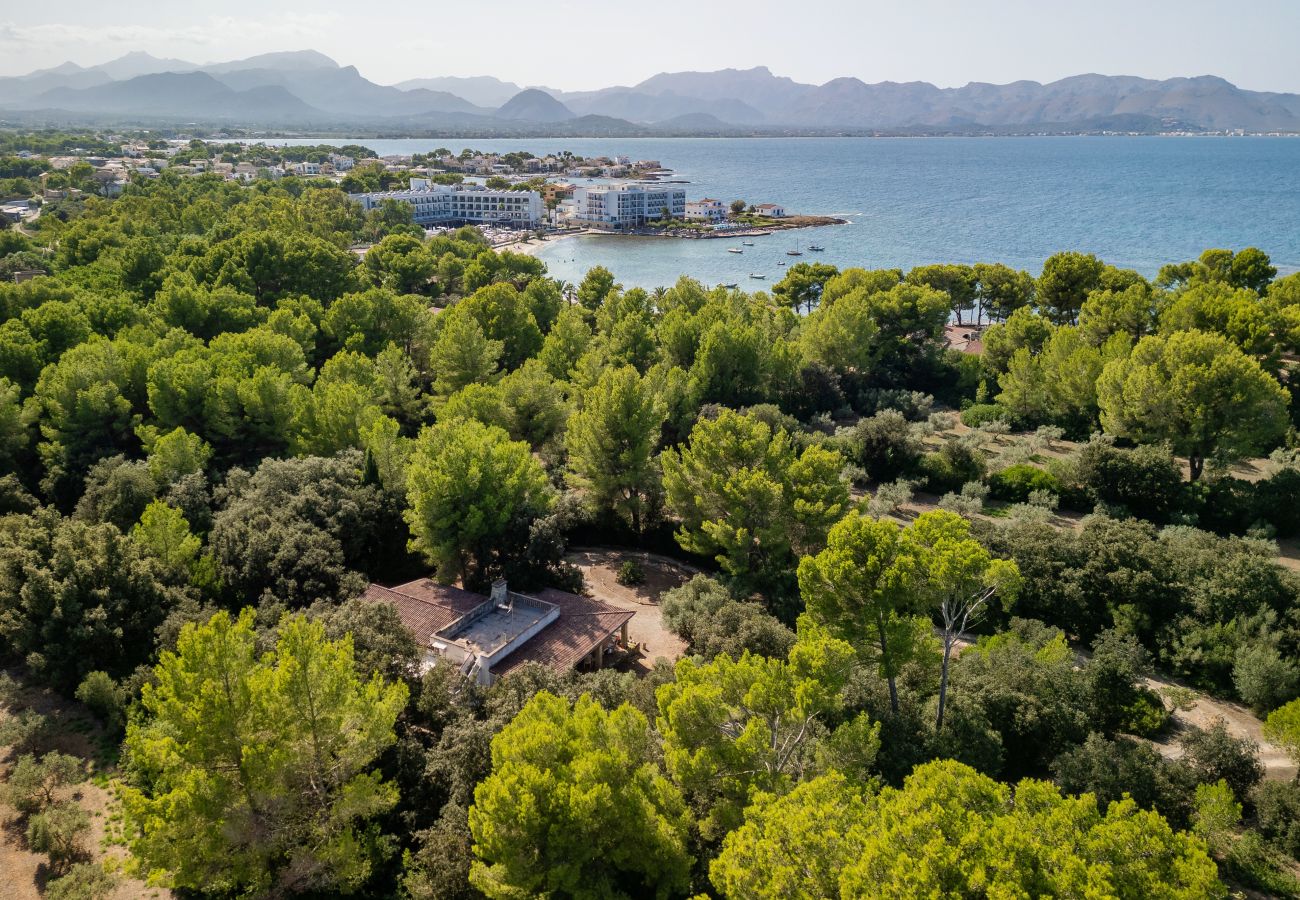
(225, 409)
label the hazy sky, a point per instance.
(580, 44)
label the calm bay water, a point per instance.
(1137, 202)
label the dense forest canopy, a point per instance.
(219, 421)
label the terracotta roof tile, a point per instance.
(424, 606)
(582, 626)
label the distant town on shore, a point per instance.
(513, 194)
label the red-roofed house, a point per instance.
(488, 637)
(966, 338)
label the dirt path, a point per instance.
(1241, 723)
(600, 566)
(23, 874)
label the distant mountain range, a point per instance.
(307, 90)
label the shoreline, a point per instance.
(532, 246)
(788, 223)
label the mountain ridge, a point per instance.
(291, 87)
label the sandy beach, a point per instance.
(532, 246)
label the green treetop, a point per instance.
(1065, 283)
(862, 588)
(956, 579)
(1283, 728)
(471, 490)
(803, 284)
(950, 831)
(1196, 390)
(255, 771)
(576, 807)
(744, 495)
(731, 727)
(611, 443)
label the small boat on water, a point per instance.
(759, 277)
(748, 243)
(816, 248)
(734, 250)
(794, 252)
(731, 286)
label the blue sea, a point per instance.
(1137, 202)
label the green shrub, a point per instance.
(969, 502)
(983, 413)
(705, 615)
(1145, 482)
(1264, 678)
(106, 699)
(25, 731)
(915, 406)
(950, 468)
(84, 881)
(33, 782)
(1235, 506)
(1111, 769)
(630, 573)
(1253, 863)
(1214, 754)
(1015, 483)
(1279, 501)
(1146, 716)
(1224, 505)
(1277, 814)
(58, 832)
(886, 445)
(889, 498)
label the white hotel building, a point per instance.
(616, 207)
(462, 204)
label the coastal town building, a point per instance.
(487, 637)
(772, 210)
(556, 191)
(706, 209)
(461, 204)
(617, 207)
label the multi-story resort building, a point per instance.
(618, 207)
(462, 204)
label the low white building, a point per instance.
(454, 204)
(706, 209)
(15, 210)
(771, 210)
(618, 207)
(307, 168)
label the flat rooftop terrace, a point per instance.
(488, 633)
